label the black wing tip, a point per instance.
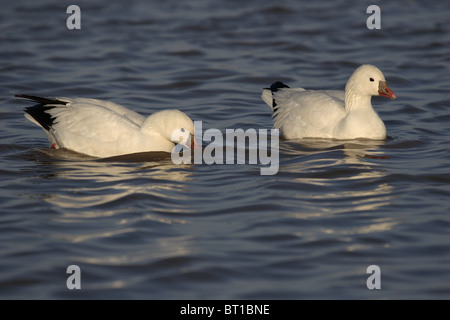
(43, 101)
(274, 87)
(39, 111)
(26, 96)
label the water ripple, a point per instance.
(141, 227)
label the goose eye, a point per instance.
(371, 80)
(183, 130)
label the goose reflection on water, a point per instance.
(338, 177)
(104, 182)
(117, 203)
(326, 177)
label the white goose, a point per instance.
(331, 114)
(104, 129)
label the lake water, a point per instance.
(149, 229)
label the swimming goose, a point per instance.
(104, 129)
(331, 114)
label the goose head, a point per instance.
(368, 80)
(173, 125)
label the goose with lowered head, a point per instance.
(103, 129)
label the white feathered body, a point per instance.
(330, 114)
(301, 113)
(103, 129)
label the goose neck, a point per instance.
(355, 100)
